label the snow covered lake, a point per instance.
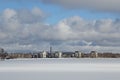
(60, 69)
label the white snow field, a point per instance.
(60, 69)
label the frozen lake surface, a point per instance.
(60, 69)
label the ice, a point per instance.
(60, 69)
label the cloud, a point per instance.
(111, 6)
(15, 23)
(25, 30)
(94, 5)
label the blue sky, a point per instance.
(56, 12)
(67, 25)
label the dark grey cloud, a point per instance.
(94, 5)
(91, 5)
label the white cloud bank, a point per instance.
(26, 30)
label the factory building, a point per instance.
(43, 54)
(93, 54)
(58, 55)
(78, 54)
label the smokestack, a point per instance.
(50, 49)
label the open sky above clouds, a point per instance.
(67, 25)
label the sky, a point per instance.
(66, 25)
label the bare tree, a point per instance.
(3, 54)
